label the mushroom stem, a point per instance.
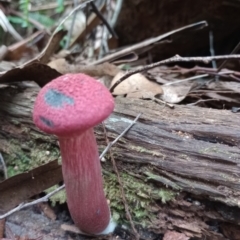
(84, 185)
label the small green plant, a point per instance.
(60, 6)
(24, 7)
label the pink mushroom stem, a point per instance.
(84, 186)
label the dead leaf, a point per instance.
(135, 86)
(175, 93)
(47, 210)
(17, 50)
(21, 187)
(101, 70)
(43, 57)
(38, 72)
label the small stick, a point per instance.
(186, 79)
(174, 59)
(99, 14)
(119, 136)
(163, 102)
(24, 205)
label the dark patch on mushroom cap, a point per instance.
(57, 99)
(47, 122)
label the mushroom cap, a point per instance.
(71, 104)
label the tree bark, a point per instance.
(190, 150)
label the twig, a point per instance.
(186, 79)
(202, 101)
(119, 136)
(124, 200)
(7, 26)
(4, 166)
(99, 14)
(197, 69)
(212, 51)
(147, 43)
(174, 59)
(163, 102)
(24, 205)
(82, 5)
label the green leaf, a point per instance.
(15, 20)
(60, 6)
(43, 19)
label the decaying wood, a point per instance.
(194, 151)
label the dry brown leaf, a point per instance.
(135, 86)
(175, 93)
(17, 50)
(38, 72)
(101, 70)
(61, 65)
(47, 210)
(21, 187)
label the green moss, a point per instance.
(59, 197)
(140, 196)
(24, 156)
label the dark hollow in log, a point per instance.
(191, 150)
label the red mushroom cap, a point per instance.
(71, 104)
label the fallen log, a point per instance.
(179, 167)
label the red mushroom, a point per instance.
(69, 107)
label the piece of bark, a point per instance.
(193, 150)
